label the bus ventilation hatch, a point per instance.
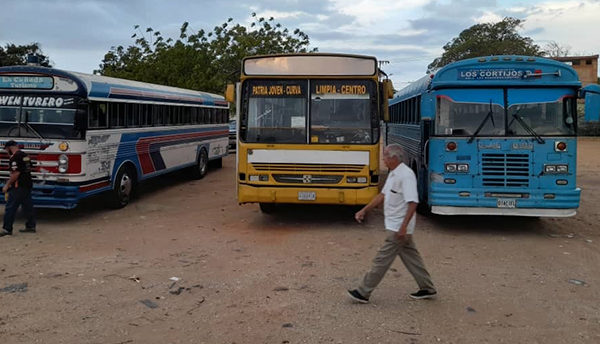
(505, 170)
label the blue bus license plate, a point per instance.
(506, 203)
(307, 195)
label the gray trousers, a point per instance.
(384, 259)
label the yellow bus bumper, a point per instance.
(265, 194)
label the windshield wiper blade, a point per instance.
(489, 115)
(528, 129)
(29, 127)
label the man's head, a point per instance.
(393, 155)
(11, 147)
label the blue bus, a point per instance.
(493, 136)
(89, 134)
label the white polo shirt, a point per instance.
(399, 189)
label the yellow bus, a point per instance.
(308, 129)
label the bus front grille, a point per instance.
(339, 168)
(307, 178)
(505, 170)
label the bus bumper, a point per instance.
(54, 196)
(448, 201)
(265, 194)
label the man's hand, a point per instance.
(5, 188)
(360, 215)
(402, 237)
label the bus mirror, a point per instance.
(230, 93)
(388, 88)
(591, 94)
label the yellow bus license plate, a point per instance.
(307, 195)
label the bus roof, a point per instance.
(310, 64)
(102, 88)
(495, 71)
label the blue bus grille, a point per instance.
(505, 170)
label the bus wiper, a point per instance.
(489, 115)
(30, 128)
(528, 128)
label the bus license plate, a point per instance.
(507, 203)
(307, 195)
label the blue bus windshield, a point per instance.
(462, 118)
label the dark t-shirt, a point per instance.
(21, 162)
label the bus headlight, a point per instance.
(556, 169)
(63, 163)
(361, 180)
(261, 177)
(450, 168)
(462, 168)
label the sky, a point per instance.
(409, 34)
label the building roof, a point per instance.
(571, 58)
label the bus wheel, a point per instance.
(123, 189)
(267, 208)
(201, 167)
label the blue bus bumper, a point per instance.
(54, 196)
(538, 203)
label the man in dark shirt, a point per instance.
(18, 190)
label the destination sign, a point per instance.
(277, 88)
(50, 102)
(493, 73)
(23, 81)
(341, 89)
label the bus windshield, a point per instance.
(553, 118)
(523, 119)
(20, 120)
(341, 111)
(338, 112)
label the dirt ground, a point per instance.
(103, 276)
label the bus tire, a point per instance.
(123, 188)
(201, 168)
(267, 208)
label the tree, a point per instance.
(203, 60)
(15, 55)
(555, 49)
(486, 39)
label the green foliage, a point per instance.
(203, 60)
(486, 39)
(16, 55)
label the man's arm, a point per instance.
(14, 175)
(375, 202)
(410, 212)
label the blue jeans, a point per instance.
(17, 197)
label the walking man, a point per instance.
(400, 198)
(18, 188)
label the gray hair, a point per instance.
(395, 151)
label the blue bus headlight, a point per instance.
(550, 169)
(451, 168)
(464, 168)
(562, 169)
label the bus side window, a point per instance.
(97, 117)
(116, 112)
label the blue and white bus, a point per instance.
(493, 136)
(89, 134)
